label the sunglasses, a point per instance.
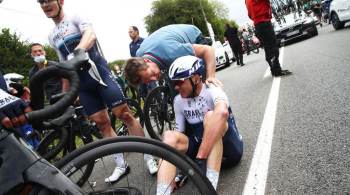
(178, 82)
(45, 1)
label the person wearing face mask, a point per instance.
(52, 86)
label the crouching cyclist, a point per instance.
(206, 129)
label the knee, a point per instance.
(124, 114)
(170, 138)
(103, 123)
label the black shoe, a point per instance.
(238, 64)
(282, 73)
(180, 180)
(242, 64)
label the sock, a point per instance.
(213, 177)
(147, 157)
(163, 189)
(119, 160)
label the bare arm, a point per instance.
(208, 54)
(215, 128)
(88, 39)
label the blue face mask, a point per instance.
(39, 59)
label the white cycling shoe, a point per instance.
(118, 173)
(152, 166)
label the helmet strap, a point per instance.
(194, 87)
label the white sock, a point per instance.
(119, 160)
(163, 189)
(147, 157)
(213, 177)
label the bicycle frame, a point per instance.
(21, 165)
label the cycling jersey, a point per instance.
(189, 114)
(94, 94)
(194, 109)
(168, 43)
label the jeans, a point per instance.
(266, 34)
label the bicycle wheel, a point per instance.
(132, 149)
(53, 143)
(159, 112)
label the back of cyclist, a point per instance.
(98, 89)
(162, 47)
(206, 130)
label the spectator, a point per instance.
(52, 86)
(260, 12)
(246, 38)
(136, 40)
(231, 35)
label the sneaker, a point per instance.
(152, 166)
(180, 180)
(118, 173)
(282, 73)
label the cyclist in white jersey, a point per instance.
(205, 126)
(98, 89)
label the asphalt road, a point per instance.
(310, 152)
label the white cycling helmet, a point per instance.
(186, 66)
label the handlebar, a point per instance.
(65, 70)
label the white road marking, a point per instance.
(268, 72)
(256, 180)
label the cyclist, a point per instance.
(162, 47)
(206, 129)
(54, 85)
(12, 109)
(98, 88)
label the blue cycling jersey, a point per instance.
(168, 43)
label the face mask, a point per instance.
(39, 59)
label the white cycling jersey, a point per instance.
(193, 110)
(6, 99)
(66, 36)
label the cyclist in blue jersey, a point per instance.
(162, 47)
(98, 89)
(205, 126)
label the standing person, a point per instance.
(231, 35)
(162, 47)
(246, 37)
(317, 9)
(97, 89)
(260, 12)
(136, 40)
(52, 86)
(209, 136)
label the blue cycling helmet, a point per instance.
(186, 66)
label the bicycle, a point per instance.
(159, 109)
(34, 175)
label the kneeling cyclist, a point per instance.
(206, 130)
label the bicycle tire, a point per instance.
(158, 103)
(60, 134)
(86, 138)
(255, 49)
(72, 162)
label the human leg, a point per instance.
(266, 35)
(167, 171)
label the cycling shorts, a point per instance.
(94, 96)
(232, 142)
